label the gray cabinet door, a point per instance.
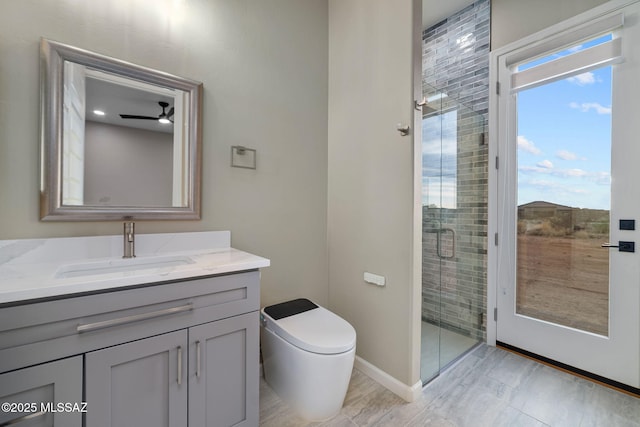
(142, 383)
(223, 372)
(42, 388)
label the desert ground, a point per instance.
(564, 280)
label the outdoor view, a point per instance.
(564, 177)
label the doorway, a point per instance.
(566, 270)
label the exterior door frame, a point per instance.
(499, 113)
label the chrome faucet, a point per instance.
(129, 240)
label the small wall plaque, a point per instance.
(243, 157)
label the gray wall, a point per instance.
(127, 167)
(512, 20)
(264, 69)
(371, 177)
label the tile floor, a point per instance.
(440, 347)
(489, 387)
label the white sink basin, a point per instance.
(121, 265)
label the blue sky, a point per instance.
(564, 141)
(439, 160)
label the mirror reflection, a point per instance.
(120, 140)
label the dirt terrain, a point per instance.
(564, 280)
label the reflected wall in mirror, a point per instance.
(118, 140)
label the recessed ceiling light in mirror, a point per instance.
(98, 112)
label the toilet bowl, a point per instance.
(308, 355)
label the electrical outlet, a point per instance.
(374, 279)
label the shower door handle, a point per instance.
(453, 243)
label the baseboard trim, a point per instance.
(404, 391)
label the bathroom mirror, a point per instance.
(118, 140)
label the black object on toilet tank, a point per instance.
(289, 308)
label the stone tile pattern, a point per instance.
(489, 387)
(456, 62)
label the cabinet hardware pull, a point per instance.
(134, 318)
(198, 359)
(179, 365)
(23, 418)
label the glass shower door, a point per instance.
(453, 231)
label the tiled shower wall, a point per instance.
(456, 63)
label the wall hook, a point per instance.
(403, 129)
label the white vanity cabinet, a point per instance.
(183, 353)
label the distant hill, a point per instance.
(552, 219)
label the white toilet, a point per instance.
(308, 355)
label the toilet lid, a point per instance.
(317, 330)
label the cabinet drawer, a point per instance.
(41, 388)
(34, 333)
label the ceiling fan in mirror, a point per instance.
(164, 117)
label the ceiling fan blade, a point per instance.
(162, 115)
(129, 116)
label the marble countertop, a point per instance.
(53, 268)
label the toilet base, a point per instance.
(314, 385)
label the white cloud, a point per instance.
(600, 178)
(525, 145)
(550, 185)
(534, 169)
(583, 79)
(563, 173)
(574, 172)
(585, 107)
(546, 164)
(576, 48)
(567, 155)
